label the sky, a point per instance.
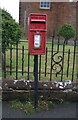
(12, 6)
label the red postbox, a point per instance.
(37, 33)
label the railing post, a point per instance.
(4, 57)
(17, 59)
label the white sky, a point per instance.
(12, 6)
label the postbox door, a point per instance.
(37, 43)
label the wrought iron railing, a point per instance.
(59, 62)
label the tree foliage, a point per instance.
(11, 31)
(67, 31)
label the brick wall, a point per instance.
(58, 14)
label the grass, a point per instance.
(28, 106)
(31, 67)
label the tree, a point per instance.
(11, 31)
(67, 31)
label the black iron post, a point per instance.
(35, 81)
